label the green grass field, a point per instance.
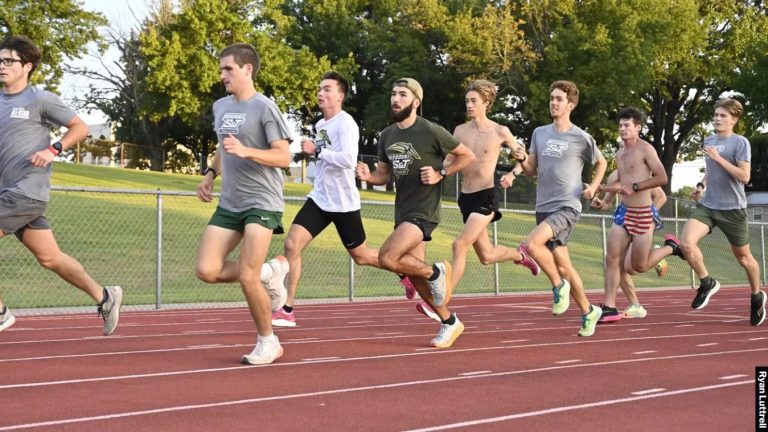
(115, 237)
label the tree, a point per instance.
(61, 28)
(672, 59)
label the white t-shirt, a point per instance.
(334, 189)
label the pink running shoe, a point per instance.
(527, 261)
(427, 311)
(410, 290)
(282, 318)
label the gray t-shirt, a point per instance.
(26, 120)
(724, 192)
(247, 184)
(561, 157)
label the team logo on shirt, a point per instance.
(401, 156)
(555, 148)
(20, 113)
(231, 122)
(322, 140)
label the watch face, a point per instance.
(57, 146)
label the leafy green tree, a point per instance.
(672, 59)
(62, 28)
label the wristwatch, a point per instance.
(443, 172)
(56, 148)
(635, 187)
(212, 170)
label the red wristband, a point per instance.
(53, 150)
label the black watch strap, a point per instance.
(211, 169)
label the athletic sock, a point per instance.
(288, 309)
(706, 281)
(5, 308)
(561, 284)
(435, 273)
(450, 321)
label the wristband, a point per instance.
(513, 174)
(700, 185)
(525, 158)
(56, 148)
(211, 169)
(317, 152)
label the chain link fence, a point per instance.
(147, 242)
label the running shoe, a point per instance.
(609, 314)
(561, 298)
(427, 311)
(635, 311)
(589, 321)
(439, 286)
(661, 268)
(282, 318)
(448, 334)
(672, 241)
(109, 308)
(527, 261)
(410, 290)
(757, 309)
(275, 284)
(266, 351)
(704, 293)
(6, 319)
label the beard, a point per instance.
(402, 115)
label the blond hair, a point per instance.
(731, 106)
(485, 88)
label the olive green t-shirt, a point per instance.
(406, 151)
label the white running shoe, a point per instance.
(275, 285)
(448, 334)
(267, 350)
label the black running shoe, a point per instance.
(672, 241)
(757, 309)
(704, 293)
(610, 314)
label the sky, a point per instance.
(120, 14)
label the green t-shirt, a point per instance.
(406, 151)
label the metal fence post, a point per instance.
(351, 279)
(159, 252)
(605, 240)
(496, 280)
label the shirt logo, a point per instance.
(231, 122)
(322, 140)
(401, 156)
(555, 148)
(20, 113)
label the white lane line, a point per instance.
(343, 313)
(684, 325)
(730, 377)
(389, 333)
(513, 341)
(360, 322)
(205, 346)
(426, 351)
(649, 391)
(302, 339)
(757, 339)
(524, 324)
(708, 344)
(208, 320)
(644, 352)
(475, 373)
(638, 330)
(360, 389)
(568, 361)
(199, 331)
(320, 359)
(549, 411)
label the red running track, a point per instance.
(368, 366)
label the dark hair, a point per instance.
(340, 80)
(633, 114)
(570, 89)
(243, 54)
(26, 49)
